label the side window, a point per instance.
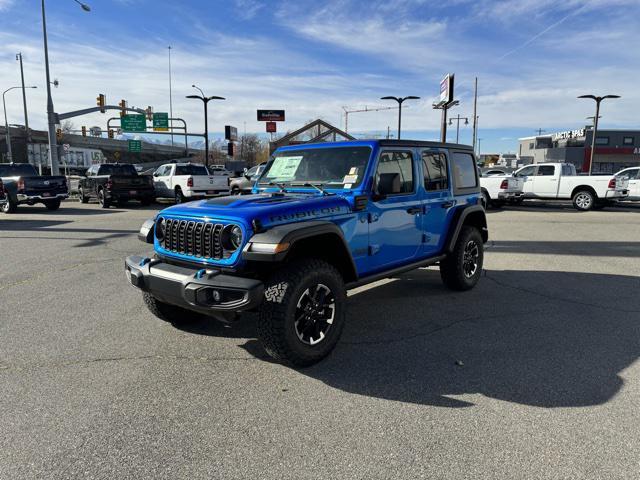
(435, 171)
(464, 170)
(400, 163)
(526, 171)
(546, 170)
(568, 171)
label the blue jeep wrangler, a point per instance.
(322, 219)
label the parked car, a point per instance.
(115, 183)
(492, 172)
(559, 181)
(188, 181)
(323, 218)
(23, 185)
(244, 183)
(500, 189)
(633, 178)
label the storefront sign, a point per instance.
(580, 133)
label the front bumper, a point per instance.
(210, 292)
(22, 197)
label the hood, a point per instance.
(268, 209)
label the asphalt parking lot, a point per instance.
(534, 374)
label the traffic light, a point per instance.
(110, 133)
(101, 101)
(84, 131)
(123, 107)
(58, 133)
(150, 113)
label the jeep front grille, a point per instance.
(197, 239)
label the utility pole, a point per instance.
(170, 98)
(475, 114)
(540, 131)
(24, 102)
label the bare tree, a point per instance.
(67, 127)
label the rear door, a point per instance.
(545, 181)
(437, 199)
(395, 228)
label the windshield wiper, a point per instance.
(317, 186)
(276, 184)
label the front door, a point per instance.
(634, 184)
(527, 175)
(438, 200)
(395, 228)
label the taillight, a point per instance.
(108, 184)
(20, 184)
(190, 182)
(612, 183)
(504, 185)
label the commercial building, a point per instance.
(615, 149)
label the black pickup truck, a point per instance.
(23, 185)
(116, 183)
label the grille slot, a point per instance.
(198, 239)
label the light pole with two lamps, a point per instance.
(458, 119)
(205, 101)
(598, 100)
(400, 100)
(6, 122)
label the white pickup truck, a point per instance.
(559, 181)
(500, 189)
(188, 181)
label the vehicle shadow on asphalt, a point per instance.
(539, 206)
(596, 249)
(545, 339)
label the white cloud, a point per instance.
(5, 4)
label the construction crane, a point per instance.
(365, 109)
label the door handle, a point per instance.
(414, 210)
(448, 204)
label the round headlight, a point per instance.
(160, 228)
(231, 237)
(236, 237)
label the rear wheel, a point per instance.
(462, 268)
(10, 206)
(52, 204)
(303, 312)
(584, 200)
(179, 196)
(102, 198)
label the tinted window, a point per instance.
(400, 163)
(191, 170)
(464, 170)
(116, 169)
(632, 174)
(18, 170)
(546, 170)
(435, 171)
(602, 140)
(526, 171)
(627, 140)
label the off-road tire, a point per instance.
(277, 315)
(10, 206)
(52, 204)
(584, 200)
(452, 268)
(165, 311)
(103, 199)
(81, 195)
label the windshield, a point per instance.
(17, 170)
(191, 170)
(108, 169)
(342, 167)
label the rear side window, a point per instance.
(568, 170)
(546, 170)
(18, 170)
(116, 169)
(400, 163)
(435, 171)
(464, 170)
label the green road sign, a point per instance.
(135, 146)
(161, 122)
(133, 123)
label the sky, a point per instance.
(310, 58)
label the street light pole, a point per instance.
(598, 100)
(51, 117)
(170, 98)
(6, 122)
(205, 101)
(400, 100)
(457, 119)
(24, 101)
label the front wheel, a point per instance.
(167, 312)
(462, 268)
(303, 312)
(583, 200)
(102, 198)
(83, 197)
(9, 206)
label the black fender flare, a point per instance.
(458, 221)
(292, 233)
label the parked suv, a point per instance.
(322, 219)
